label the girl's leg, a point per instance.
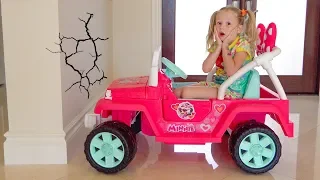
(199, 92)
(179, 90)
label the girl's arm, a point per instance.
(231, 66)
(209, 62)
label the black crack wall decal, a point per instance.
(84, 81)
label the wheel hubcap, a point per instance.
(257, 150)
(107, 150)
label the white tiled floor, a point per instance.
(300, 157)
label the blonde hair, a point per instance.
(248, 21)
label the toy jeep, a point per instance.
(148, 104)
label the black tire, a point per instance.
(243, 133)
(125, 135)
(129, 131)
(232, 138)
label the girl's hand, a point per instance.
(229, 39)
(216, 36)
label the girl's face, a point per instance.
(226, 22)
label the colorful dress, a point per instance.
(236, 89)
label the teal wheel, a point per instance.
(257, 148)
(109, 148)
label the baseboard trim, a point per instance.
(75, 130)
(29, 148)
(21, 148)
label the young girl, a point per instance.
(235, 35)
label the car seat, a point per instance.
(253, 87)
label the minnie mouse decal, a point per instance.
(184, 110)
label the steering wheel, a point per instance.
(172, 70)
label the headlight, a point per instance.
(108, 94)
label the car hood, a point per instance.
(129, 82)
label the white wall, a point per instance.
(132, 37)
(100, 25)
(2, 74)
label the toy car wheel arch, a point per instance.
(257, 149)
(108, 148)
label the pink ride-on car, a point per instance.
(148, 104)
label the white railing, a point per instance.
(153, 76)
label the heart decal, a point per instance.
(205, 127)
(220, 108)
